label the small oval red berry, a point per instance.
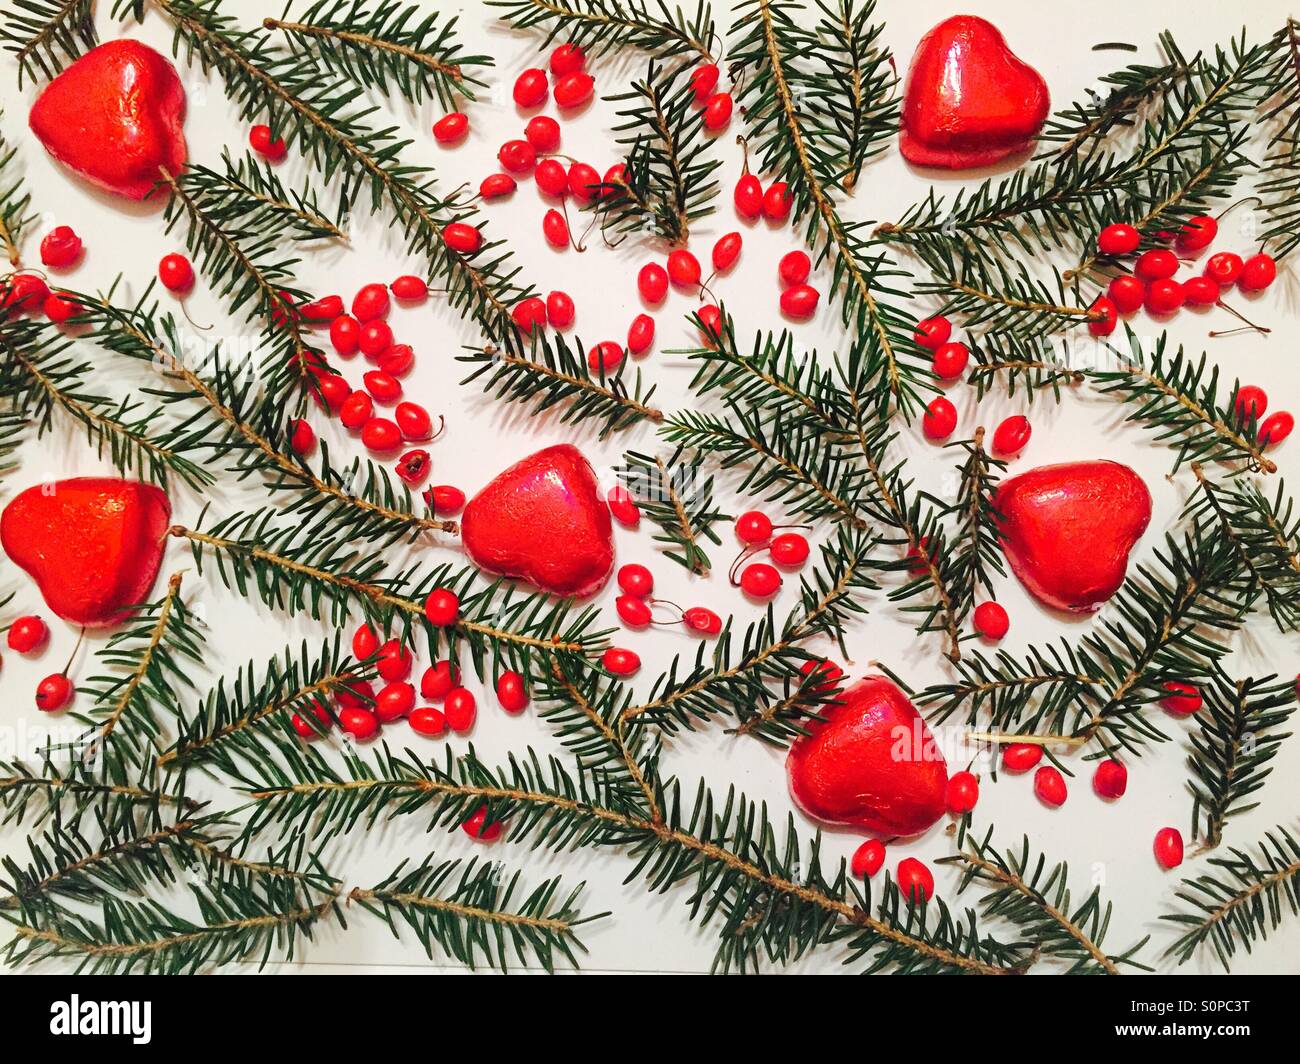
(345, 335)
(517, 156)
(381, 435)
(636, 579)
(375, 338)
(397, 360)
(323, 310)
(176, 273)
(462, 238)
(868, 859)
(61, 308)
(620, 662)
(915, 881)
(427, 720)
(584, 182)
(531, 87)
(701, 620)
(355, 694)
(359, 723)
(331, 391)
(394, 701)
(1183, 699)
(726, 251)
(555, 229)
(60, 247)
(1257, 273)
(789, 549)
(1049, 785)
(451, 128)
(1251, 401)
(439, 679)
(512, 692)
(777, 202)
(414, 421)
(382, 386)
(794, 268)
(365, 643)
(394, 661)
(320, 715)
(641, 334)
(753, 526)
(552, 178)
(53, 693)
(1168, 847)
(1157, 265)
(460, 709)
(1118, 239)
(414, 466)
(710, 318)
(623, 507)
(573, 90)
(991, 620)
(302, 437)
(567, 58)
(25, 292)
(442, 607)
(1109, 316)
(1276, 428)
(1011, 436)
(683, 268)
(27, 634)
(1110, 780)
(633, 611)
(962, 792)
(560, 311)
(931, 332)
(1164, 296)
(605, 357)
(830, 673)
(1021, 757)
(760, 580)
(652, 283)
(950, 361)
(1200, 292)
(478, 826)
(357, 409)
(800, 301)
(704, 79)
(494, 186)
(529, 315)
(748, 197)
(1197, 233)
(614, 177)
(543, 133)
(371, 303)
(1126, 292)
(1224, 267)
(261, 141)
(717, 111)
(445, 499)
(940, 419)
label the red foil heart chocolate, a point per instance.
(114, 116)
(969, 101)
(92, 544)
(543, 520)
(1067, 530)
(870, 763)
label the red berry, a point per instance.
(991, 620)
(355, 694)
(1118, 239)
(60, 247)
(560, 311)
(931, 332)
(414, 466)
(1168, 847)
(302, 437)
(394, 661)
(445, 499)
(260, 140)
(726, 251)
(1276, 428)
(331, 391)
(394, 700)
(704, 79)
(1011, 436)
(1111, 779)
(753, 526)
(176, 273)
(950, 361)
(555, 229)
(321, 715)
(584, 182)
(1164, 296)
(615, 177)
(1200, 291)
(397, 360)
(683, 268)
(620, 662)
(26, 292)
(530, 314)
(359, 723)
(381, 435)
(641, 334)
(494, 186)
(623, 507)
(370, 303)
(962, 792)
(461, 238)
(567, 58)
(356, 410)
(322, 310)
(531, 87)
(652, 283)
(1104, 325)
(374, 338)
(789, 549)
(1257, 273)
(1197, 233)
(382, 386)
(53, 693)
(552, 178)
(1049, 785)
(1251, 402)
(940, 419)
(345, 335)
(573, 90)
(365, 643)
(543, 133)
(517, 156)
(748, 197)
(460, 710)
(830, 673)
(478, 827)
(794, 268)
(702, 620)
(442, 607)
(633, 611)
(427, 721)
(605, 357)
(27, 634)
(777, 202)
(760, 580)
(1126, 292)
(919, 557)
(512, 693)
(710, 318)
(439, 679)
(60, 308)
(799, 301)
(1224, 267)
(717, 112)
(413, 420)
(915, 881)
(636, 579)
(868, 859)
(451, 128)
(1158, 265)
(1183, 699)
(1021, 757)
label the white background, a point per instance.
(1108, 843)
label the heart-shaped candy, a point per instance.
(969, 101)
(92, 544)
(870, 763)
(114, 116)
(543, 520)
(1067, 529)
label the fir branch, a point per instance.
(977, 553)
(69, 792)
(15, 205)
(391, 45)
(470, 916)
(1237, 738)
(248, 191)
(1239, 904)
(603, 25)
(676, 496)
(555, 373)
(1279, 184)
(1022, 363)
(44, 35)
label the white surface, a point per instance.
(1109, 843)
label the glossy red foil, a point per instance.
(1067, 530)
(543, 520)
(871, 763)
(115, 116)
(92, 544)
(969, 101)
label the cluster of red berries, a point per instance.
(635, 608)
(30, 293)
(789, 550)
(914, 880)
(28, 635)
